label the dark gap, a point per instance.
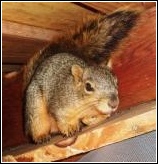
(87, 7)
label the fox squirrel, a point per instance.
(66, 86)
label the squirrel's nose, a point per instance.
(113, 101)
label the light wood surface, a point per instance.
(106, 7)
(28, 26)
(48, 15)
(140, 119)
(28, 32)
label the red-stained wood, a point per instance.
(107, 7)
(19, 49)
(12, 113)
(135, 68)
(11, 67)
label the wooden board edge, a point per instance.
(124, 127)
(27, 31)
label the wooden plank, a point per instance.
(148, 5)
(12, 112)
(20, 42)
(30, 32)
(135, 67)
(107, 7)
(11, 67)
(129, 113)
(138, 120)
(49, 15)
(19, 49)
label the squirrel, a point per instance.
(70, 83)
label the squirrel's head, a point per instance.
(98, 86)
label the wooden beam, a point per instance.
(28, 27)
(107, 7)
(135, 66)
(21, 41)
(12, 113)
(9, 68)
(58, 16)
(138, 120)
(27, 31)
(17, 50)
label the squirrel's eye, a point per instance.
(89, 88)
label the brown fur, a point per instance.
(90, 41)
(64, 85)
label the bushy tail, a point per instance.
(94, 41)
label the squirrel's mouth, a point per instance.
(105, 108)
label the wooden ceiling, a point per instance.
(27, 27)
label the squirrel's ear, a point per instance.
(107, 64)
(110, 64)
(77, 72)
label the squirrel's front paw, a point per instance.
(42, 139)
(69, 129)
(92, 120)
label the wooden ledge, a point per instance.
(138, 120)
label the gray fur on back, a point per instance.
(54, 77)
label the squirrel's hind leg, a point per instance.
(38, 122)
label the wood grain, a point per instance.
(20, 42)
(12, 113)
(58, 16)
(11, 67)
(30, 32)
(136, 65)
(19, 49)
(107, 7)
(138, 120)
